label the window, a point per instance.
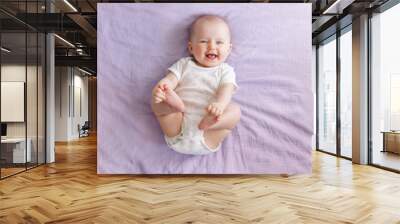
(22, 65)
(346, 93)
(327, 96)
(385, 87)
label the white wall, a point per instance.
(313, 78)
(33, 127)
(16, 73)
(71, 93)
(12, 73)
(80, 105)
(61, 103)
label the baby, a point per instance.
(193, 102)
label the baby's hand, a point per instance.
(216, 109)
(159, 94)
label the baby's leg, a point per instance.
(227, 120)
(216, 133)
(214, 137)
(170, 104)
(171, 123)
(168, 114)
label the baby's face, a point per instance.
(210, 43)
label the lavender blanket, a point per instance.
(272, 59)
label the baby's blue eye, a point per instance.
(203, 41)
(220, 42)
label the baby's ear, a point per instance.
(190, 47)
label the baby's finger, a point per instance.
(214, 110)
(209, 108)
(157, 100)
(165, 87)
(162, 98)
(160, 95)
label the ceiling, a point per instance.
(76, 20)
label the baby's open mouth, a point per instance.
(211, 56)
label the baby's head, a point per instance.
(210, 40)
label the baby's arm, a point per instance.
(170, 79)
(223, 98)
(168, 82)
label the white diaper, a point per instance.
(190, 140)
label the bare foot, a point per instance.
(207, 121)
(172, 99)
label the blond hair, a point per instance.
(205, 18)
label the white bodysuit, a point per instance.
(197, 87)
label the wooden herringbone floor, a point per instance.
(70, 191)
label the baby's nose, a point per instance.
(211, 44)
